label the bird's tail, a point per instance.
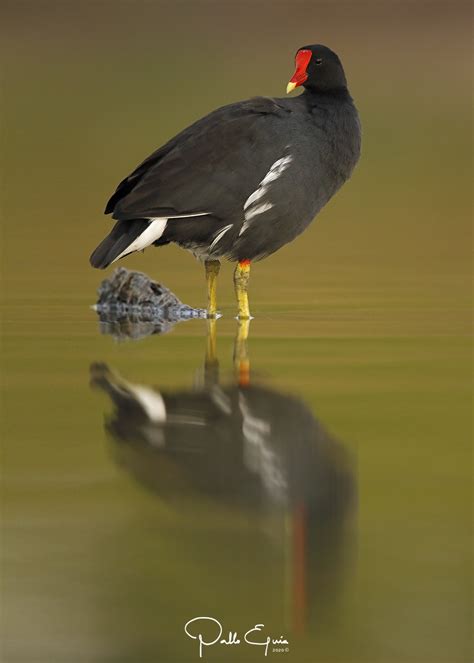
(123, 239)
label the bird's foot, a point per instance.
(244, 318)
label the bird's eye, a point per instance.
(318, 61)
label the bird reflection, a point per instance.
(245, 445)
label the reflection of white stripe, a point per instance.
(219, 236)
(187, 420)
(150, 400)
(221, 399)
(259, 457)
(152, 232)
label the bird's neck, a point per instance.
(315, 98)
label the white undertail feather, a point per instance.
(154, 230)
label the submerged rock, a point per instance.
(131, 305)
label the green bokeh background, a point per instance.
(365, 318)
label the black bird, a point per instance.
(249, 447)
(244, 180)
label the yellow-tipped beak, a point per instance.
(290, 87)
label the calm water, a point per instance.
(326, 499)
(324, 491)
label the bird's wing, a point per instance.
(210, 167)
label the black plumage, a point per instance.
(247, 178)
(259, 457)
(122, 235)
(245, 443)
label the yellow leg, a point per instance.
(241, 357)
(212, 270)
(241, 283)
(211, 363)
(211, 343)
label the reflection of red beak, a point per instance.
(302, 61)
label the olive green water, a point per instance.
(360, 348)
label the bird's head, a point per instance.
(317, 68)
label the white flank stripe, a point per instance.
(219, 236)
(250, 209)
(277, 169)
(273, 174)
(184, 216)
(259, 209)
(245, 225)
(258, 193)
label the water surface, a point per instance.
(325, 499)
(323, 492)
